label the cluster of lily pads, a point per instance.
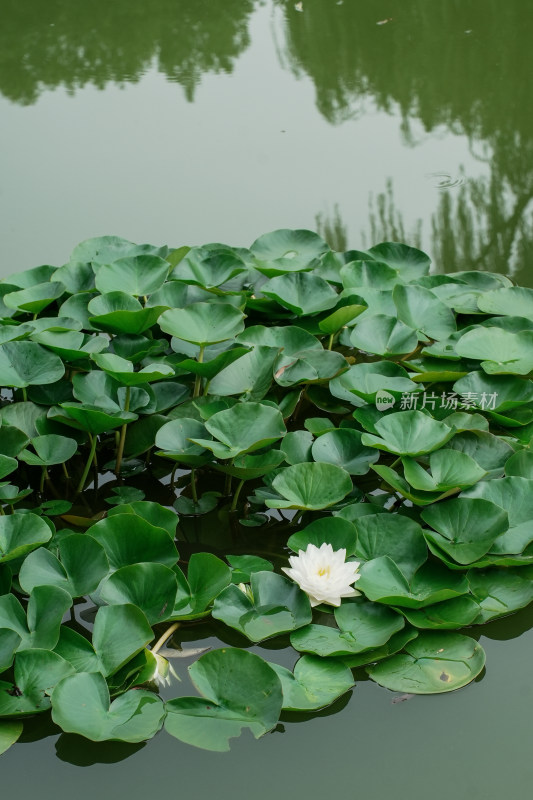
(343, 398)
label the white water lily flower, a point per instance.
(324, 574)
(163, 671)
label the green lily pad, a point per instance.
(408, 433)
(383, 582)
(338, 532)
(130, 539)
(150, 586)
(27, 363)
(287, 250)
(209, 266)
(49, 449)
(308, 366)
(91, 418)
(70, 345)
(10, 731)
(142, 274)
(433, 663)
(123, 371)
(34, 299)
(38, 626)
(384, 336)
(450, 614)
(515, 496)
(297, 446)
(391, 535)
(21, 533)
(175, 440)
(250, 376)
(154, 513)
(411, 263)
(314, 683)
(118, 312)
(499, 351)
(466, 527)
(422, 311)
(207, 577)
(276, 606)
(343, 447)
(119, 633)
(243, 566)
(239, 690)
(310, 486)
(362, 626)
(289, 338)
(203, 323)
(81, 704)
(520, 465)
(81, 565)
(499, 592)
(367, 380)
(514, 301)
(396, 643)
(36, 673)
(242, 429)
(450, 469)
(301, 292)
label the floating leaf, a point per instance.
(310, 486)
(239, 690)
(433, 663)
(36, 673)
(81, 704)
(408, 433)
(278, 606)
(21, 533)
(203, 323)
(314, 683)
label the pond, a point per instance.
(193, 121)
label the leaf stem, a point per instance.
(198, 379)
(233, 506)
(123, 430)
(93, 439)
(330, 341)
(193, 486)
(162, 639)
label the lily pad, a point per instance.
(433, 663)
(81, 704)
(27, 363)
(81, 565)
(383, 582)
(343, 447)
(362, 626)
(310, 486)
(21, 533)
(276, 606)
(239, 690)
(467, 527)
(315, 683)
(36, 673)
(203, 323)
(408, 433)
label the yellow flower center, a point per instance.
(324, 571)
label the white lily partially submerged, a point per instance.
(324, 574)
(163, 671)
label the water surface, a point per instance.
(188, 121)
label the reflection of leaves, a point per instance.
(482, 224)
(97, 42)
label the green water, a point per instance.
(189, 121)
